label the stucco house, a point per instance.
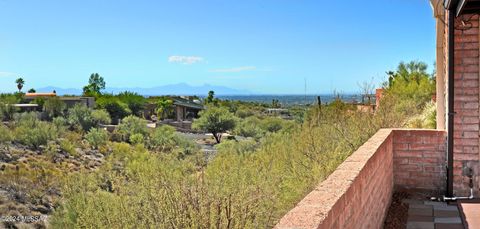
(69, 101)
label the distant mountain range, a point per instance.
(172, 89)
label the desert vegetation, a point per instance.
(67, 166)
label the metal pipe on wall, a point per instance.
(451, 97)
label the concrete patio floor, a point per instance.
(432, 215)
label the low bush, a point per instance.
(163, 138)
(67, 146)
(80, 118)
(7, 111)
(60, 123)
(97, 137)
(101, 117)
(238, 147)
(273, 124)
(35, 135)
(114, 106)
(425, 120)
(54, 107)
(250, 127)
(136, 139)
(132, 125)
(5, 134)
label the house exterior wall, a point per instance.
(441, 70)
(466, 107)
(466, 124)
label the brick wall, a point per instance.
(342, 199)
(419, 159)
(467, 117)
(358, 193)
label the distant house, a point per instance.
(72, 101)
(69, 101)
(184, 108)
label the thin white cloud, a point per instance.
(185, 59)
(7, 74)
(235, 69)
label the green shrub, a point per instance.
(60, 123)
(7, 111)
(136, 139)
(39, 100)
(51, 150)
(163, 138)
(97, 137)
(132, 125)
(101, 117)
(426, 120)
(244, 113)
(32, 132)
(67, 146)
(134, 101)
(26, 118)
(238, 147)
(116, 108)
(80, 118)
(250, 127)
(54, 107)
(5, 134)
(273, 124)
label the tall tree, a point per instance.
(96, 83)
(367, 91)
(215, 121)
(210, 97)
(20, 82)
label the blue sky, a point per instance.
(264, 46)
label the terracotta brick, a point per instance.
(420, 146)
(466, 157)
(401, 146)
(466, 38)
(407, 153)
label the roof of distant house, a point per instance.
(186, 103)
(49, 94)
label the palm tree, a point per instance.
(20, 82)
(164, 108)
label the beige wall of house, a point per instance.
(439, 14)
(441, 60)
